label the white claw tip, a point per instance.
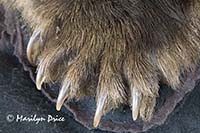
(40, 78)
(136, 97)
(38, 86)
(39, 81)
(60, 102)
(64, 92)
(99, 111)
(96, 121)
(135, 116)
(33, 46)
(58, 107)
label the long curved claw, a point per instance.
(34, 46)
(99, 110)
(136, 98)
(40, 78)
(62, 95)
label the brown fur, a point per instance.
(119, 44)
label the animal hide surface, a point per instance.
(14, 37)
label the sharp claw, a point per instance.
(136, 97)
(62, 96)
(34, 45)
(40, 78)
(99, 110)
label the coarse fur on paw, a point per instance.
(121, 48)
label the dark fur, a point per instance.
(120, 44)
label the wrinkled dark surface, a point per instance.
(19, 96)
